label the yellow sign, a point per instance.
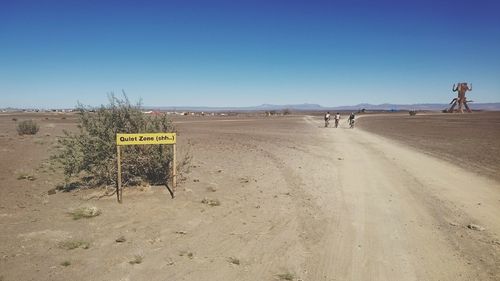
(154, 138)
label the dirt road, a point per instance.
(359, 207)
(297, 202)
(400, 215)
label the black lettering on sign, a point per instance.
(143, 138)
(165, 137)
(128, 139)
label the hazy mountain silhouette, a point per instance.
(317, 107)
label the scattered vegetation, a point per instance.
(27, 127)
(137, 259)
(90, 154)
(85, 212)
(211, 202)
(66, 263)
(287, 111)
(26, 177)
(233, 260)
(187, 254)
(271, 113)
(74, 244)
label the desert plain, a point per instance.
(267, 198)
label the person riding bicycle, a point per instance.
(327, 119)
(351, 120)
(337, 119)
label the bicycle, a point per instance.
(351, 123)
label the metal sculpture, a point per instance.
(461, 99)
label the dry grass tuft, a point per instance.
(85, 212)
(211, 202)
(187, 254)
(286, 276)
(234, 260)
(26, 177)
(74, 244)
(137, 259)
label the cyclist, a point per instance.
(351, 120)
(327, 119)
(337, 119)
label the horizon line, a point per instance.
(263, 106)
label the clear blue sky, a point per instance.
(241, 53)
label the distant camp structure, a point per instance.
(461, 99)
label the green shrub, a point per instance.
(90, 154)
(27, 127)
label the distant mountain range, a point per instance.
(317, 107)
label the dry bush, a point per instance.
(85, 212)
(211, 202)
(27, 127)
(234, 260)
(286, 276)
(74, 244)
(26, 177)
(137, 259)
(187, 254)
(90, 154)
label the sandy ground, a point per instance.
(471, 141)
(297, 202)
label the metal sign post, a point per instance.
(141, 139)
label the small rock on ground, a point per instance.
(475, 227)
(120, 239)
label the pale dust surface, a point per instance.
(295, 198)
